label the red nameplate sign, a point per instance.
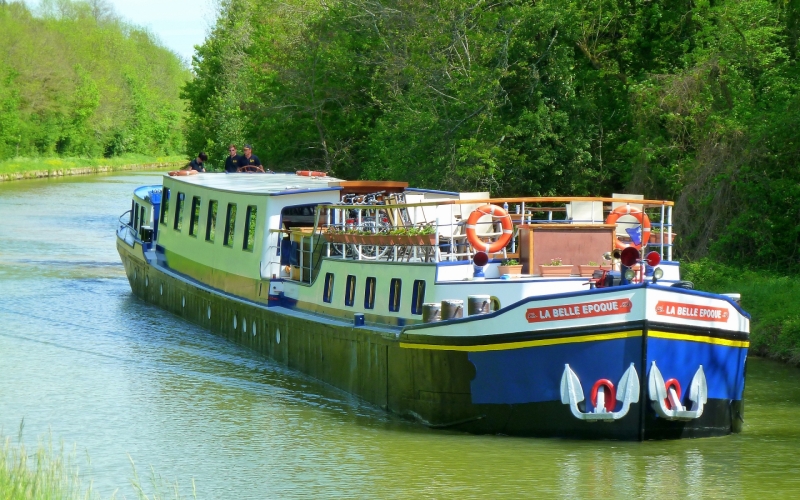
(689, 311)
(577, 311)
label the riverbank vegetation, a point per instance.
(771, 299)
(25, 165)
(78, 82)
(693, 101)
(51, 473)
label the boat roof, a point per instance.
(265, 184)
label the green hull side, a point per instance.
(431, 386)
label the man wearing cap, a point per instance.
(233, 161)
(250, 160)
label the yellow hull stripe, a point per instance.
(697, 338)
(527, 343)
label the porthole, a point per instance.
(234, 322)
(244, 325)
(278, 335)
(183, 301)
(209, 312)
(254, 328)
(161, 288)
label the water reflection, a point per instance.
(81, 356)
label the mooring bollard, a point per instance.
(479, 304)
(452, 309)
(431, 312)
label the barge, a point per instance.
(402, 297)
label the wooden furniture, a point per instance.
(572, 243)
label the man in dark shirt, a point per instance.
(251, 163)
(233, 162)
(198, 163)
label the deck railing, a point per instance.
(374, 231)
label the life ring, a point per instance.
(311, 173)
(643, 219)
(677, 385)
(505, 221)
(610, 394)
(181, 173)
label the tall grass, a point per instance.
(50, 473)
(771, 299)
(45, 473)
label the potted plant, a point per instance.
(510, 267)
(655, 237)
(555, 268)
(587, 270)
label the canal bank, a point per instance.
(82, 359)
(38, 168)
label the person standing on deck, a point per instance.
(250, 160)
(199, 163)
(233, 161)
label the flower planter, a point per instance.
(563, 270)
(335, 237)
(515, 270)
(669, 238)
(587, 271)
(408, 240)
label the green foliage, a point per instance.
(76, 81)
(770, 298)
(693, 101)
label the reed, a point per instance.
(50, 473)
(44, 473)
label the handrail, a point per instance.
(554, 199)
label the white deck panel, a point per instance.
(266, 184)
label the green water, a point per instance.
(82, 358)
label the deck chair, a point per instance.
(585, 212)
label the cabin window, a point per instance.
(165, 206)
(178, 224)
(230, 225)
(141, 216)
(250, 228)
(133, 211)
(327, 293)
(394, 294)
(369, 294)
(350, 291)
(135, 215)
(194, 216)
(211, 221)
(418, 297)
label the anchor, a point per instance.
(666, 397)
(628, 392)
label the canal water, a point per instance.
(84, 361)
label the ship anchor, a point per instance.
(572, 394)
(666, 397)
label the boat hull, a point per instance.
(500, 384)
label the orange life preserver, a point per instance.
(181, 173)
(311, 173)
(611, 394)
(505, 220)
(643, 219)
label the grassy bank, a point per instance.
(770, 298)
(28, 168)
